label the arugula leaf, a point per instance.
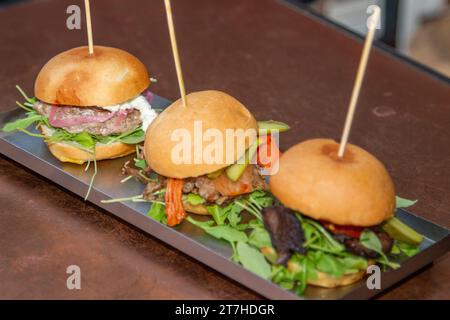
(253, 260)
(260, 238)
(227, 233)
(283, 277)
(232, 213)
(135, 137)
(195, 199)
(84, 139)
(331, 265)
(404, 203)
(370, 240)
(140, 163)
(318, 238)
(395, 249)
(352, 262)
(261, 199)
(157, 212)
(217, 213)
(303, 269)
(234, 216)
(23, 123)
(407, 249)
(224, 232)
(28, 99)
(295, 264)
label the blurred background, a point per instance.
(418, 29)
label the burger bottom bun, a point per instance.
(198, 209)
(324, 280)
(66, 152)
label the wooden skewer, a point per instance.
(89, 26)
(176, 55)
(359, 78)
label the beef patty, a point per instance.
(92, 120)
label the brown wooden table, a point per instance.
(282, 64)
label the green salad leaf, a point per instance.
(23, 123)
(370, 240)
(329, 264)
(404, 203)
(318, 238)
(234, 216)
(260, 238)
(134, 137)
(219, 215)
(157, 212)
(253, 260)
(195, 199)
(140, 163)
(260, 199)
(408, 250)
(224, 232)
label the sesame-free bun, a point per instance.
(108, 77)
(326, 280)
(67, 152)
(356, 190)
(214, 110)
(197, 209)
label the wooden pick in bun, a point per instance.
(356, 190)
(215, 110)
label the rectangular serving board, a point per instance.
(33, 154)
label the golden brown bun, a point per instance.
(356, 190)
(327, 281)
(74, 77)
(68, 153)
(214, 109)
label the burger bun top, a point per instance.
(354, 190)
(107, 77)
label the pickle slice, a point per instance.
(235, 171)
(400, 231)
(265, 127)
(215, 174)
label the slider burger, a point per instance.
(201, 187)
(89, 107)
(345, 206)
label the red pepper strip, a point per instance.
(268, 152)
(174, 202)
(350, 231)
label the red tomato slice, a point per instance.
(350, 231)
(268, 152)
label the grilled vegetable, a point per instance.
(235, 171)
(174, 202)
(266, 127)
(400, 231)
